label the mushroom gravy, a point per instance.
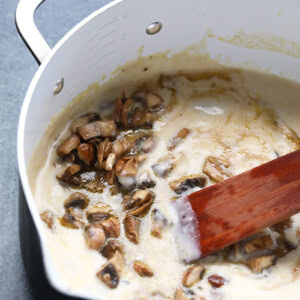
(105, 195)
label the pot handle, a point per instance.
(28, 31)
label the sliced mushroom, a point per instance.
(145, 143)
(216, 281)
(192, 275)
(138, 198)
(142, 268)
(110, 162)
(98, 213)
(180, 295)
(110, 177)
(77, 200)
(127, 166)
(72, 218)
(121, 147)
(187, 182)
(68, 145)
(125, 111)
(165, 165)
(102, 129)
(257, 265)
(118, 108)
(111, 271)
(48, 217)
(144, 181)
(140, 117)
(216, 169)
(139, 203)
(103, 150)
(83, 120)
(153, 101)
(69, 172)
(260, 243)
(181, 135)
(158, 223)
(94, 236)
(111, 248)
(141, 211)
(86, 153)
(95, 186)
(111, 227)
(132, 227)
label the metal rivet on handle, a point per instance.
(154, 28)
(58, 86)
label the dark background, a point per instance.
(54, 18)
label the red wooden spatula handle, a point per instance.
(247, 203)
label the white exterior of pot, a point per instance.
(112, 35)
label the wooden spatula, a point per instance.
(247, 203)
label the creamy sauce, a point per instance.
(241, 117)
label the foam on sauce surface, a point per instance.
(241, 117)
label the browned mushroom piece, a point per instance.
(138, 198)
(118, 107)
(192, 275)
(48, 217)
(216, 281)
(142, 268)
(110, 177)
(258, 264)
(140, 117)
(110, 162)
(94, 186)
(216, 169)
(139, 204)
(181, 135)
(98, 213)
(83, 120)
(126, 170)
(111, 227)
(127, 166)
(158, 223)
(68, 145)
(263, 242)
(112, 246)
(94, 235)
(121, 147)
(180, 295)
(72, 218)
(165, 165)
(144, 181)
(86, 152)
(126, 111)
(110, 272)
(153, 101)
(103, 150)
(187, 182)
(132, 227)
(102, 129)
(145, 143)
(69, 172)
(77, 200)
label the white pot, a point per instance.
(112, 35)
